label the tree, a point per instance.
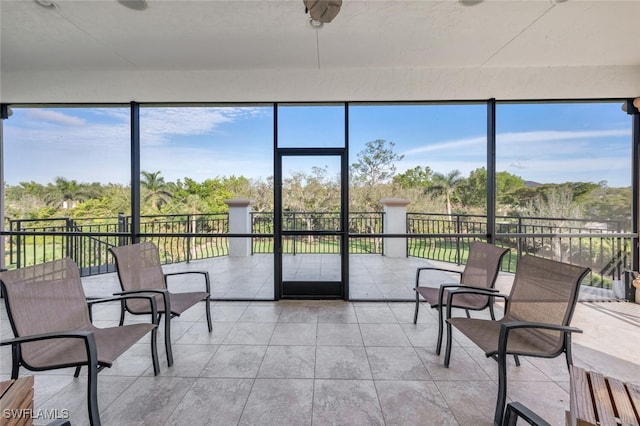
(375, 163)
(65, 193)
(608, 203)
(506, 185)
(155, 188)
(370, 175)
(445, 186)
(417, 177)
(473, 190)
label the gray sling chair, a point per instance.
(140, 270)
(480, 271)
(51, 321)
(536, 320)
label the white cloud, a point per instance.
(55, 117)
(520, 137)
(555, 135)
(158, 124)
(447, 145)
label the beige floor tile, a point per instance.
(212, 401)
(288, 362)
(235, 361)
(331, 334)
(396, 363)
(282, 402)
(342, 362)
(418, 403)
(346, 402)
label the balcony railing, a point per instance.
(360, 223)
(602, 246)
(87, 240)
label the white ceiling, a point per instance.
(253, 51)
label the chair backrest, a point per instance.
(545, 291)
(483, 265)
(45, 298)
(139, 266)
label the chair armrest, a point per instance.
(204, 273)
(134, 294)
(87, 336)
(433, 268)
(506, 327)
(473, 290)
(443, 287)
(518, 410)
(541, 325)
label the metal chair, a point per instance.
(536, 322)
(51, 321)
(140, 270)
(480, 271)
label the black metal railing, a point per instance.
(360, 224)
(603, 245)
(87, 240)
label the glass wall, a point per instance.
(563, 186)
(193, 159)
(66, 169)
(564, 171)
(435, 157)
(311, 125)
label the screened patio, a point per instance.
(491, 68)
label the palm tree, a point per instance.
(445, 185)
(155, 188)
(66, 192)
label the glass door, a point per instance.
(310, 223)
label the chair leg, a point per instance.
(567, 350)
(467, 312)
(491, 312)
(447, 355)
(208, 308)
(440, 327)
(15, 364)
(154, 351)
(77, 372)
(415, 315)
(167, 337)
(516, 358)
(92, 395)
(502, 389)
(123, 307)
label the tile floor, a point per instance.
(327, 363)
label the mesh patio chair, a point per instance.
(480, 271)
(140, 270)
(51, 321)
(538, 312)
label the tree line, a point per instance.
(372, 176)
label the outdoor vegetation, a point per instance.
(372, 177)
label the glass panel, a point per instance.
(432, 155)
(311, 202)
(564, 169)
(66, 169)
(311, 126)
(194, 159)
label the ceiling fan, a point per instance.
(134, 4)
(322, 11)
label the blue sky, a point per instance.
(547, 143)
